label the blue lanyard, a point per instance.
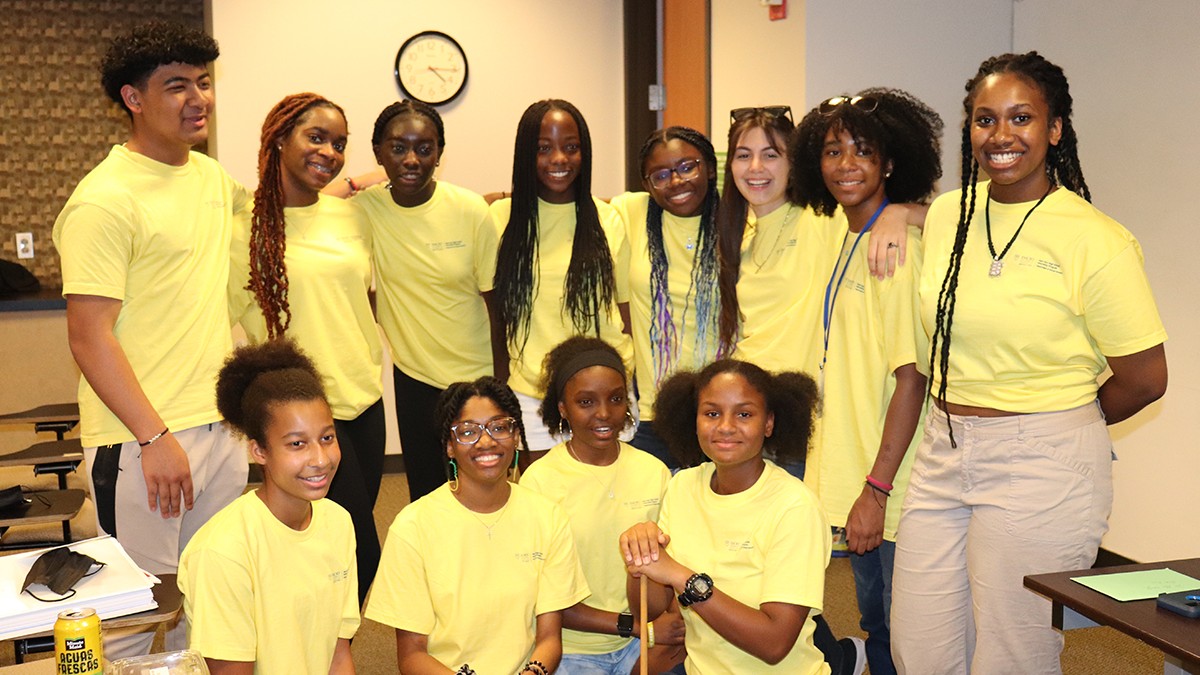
(831, 290)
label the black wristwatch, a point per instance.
(699, 587)
(625, 624)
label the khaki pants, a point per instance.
(1019, 495)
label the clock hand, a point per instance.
(451, 70)
(435, 72)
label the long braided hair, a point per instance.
(1062, 168)
(268, 271)
(732, 212)
(589, 286)
(703, 293)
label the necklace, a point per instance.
(585, 465)
(998, 260)
(774, 247)
(499, 515)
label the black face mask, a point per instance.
(60, 569)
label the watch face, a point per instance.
(702, 585)
(431, 67)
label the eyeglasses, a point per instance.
(739, 114)
(686, 170)
(469, 433)
(867, 104)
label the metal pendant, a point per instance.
(997, 267)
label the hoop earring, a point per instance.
(454, 472)
(564, 429)
(629, 421)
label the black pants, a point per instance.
(356, 485)
(424, 459)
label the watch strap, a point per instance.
(625, 624)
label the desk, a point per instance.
(57, 417)
(166, 594)
(1178, 637)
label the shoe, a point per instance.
(854, 655)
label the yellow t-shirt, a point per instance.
(1073, 289)
(601, 502)
(256, 590)
(432, 263)
(769, 543)
(786, 257)
(475, 583)
(328, 259)
(688, 351)
(875, 329)
(156, 237)
(549, 324)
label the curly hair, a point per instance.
(565, 355)
(732, 212)
(408, 107)
(132, 57)
(901, 128)
(791, 397)
(703, 295)
(256, 377)
(268, 244)
(452, 399)
(590, 285)
(1062, 168)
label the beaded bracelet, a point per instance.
(353, 187)
(153, 438)
(650, 635)
(536, 667)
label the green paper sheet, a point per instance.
(1125, 586)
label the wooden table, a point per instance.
(166, 594)
(1077, 606)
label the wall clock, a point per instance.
(431, 67)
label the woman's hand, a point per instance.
(864, 525)
(642, 543)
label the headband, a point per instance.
(587, 359)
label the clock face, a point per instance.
(431, 67)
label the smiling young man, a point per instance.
(144, 242)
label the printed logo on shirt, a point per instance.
(445, 245)
(1037, 263)
(638, 504)
(340, 575)
(733, 545)
(534, 556)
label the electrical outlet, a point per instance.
(24, 245)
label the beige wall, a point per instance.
(519, 51)
(1132, 74)
(38, 369)
(755, 61)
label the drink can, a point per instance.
(77, 649)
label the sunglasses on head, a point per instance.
(866, 104)
(739, 114)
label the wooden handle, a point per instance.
(645, 656)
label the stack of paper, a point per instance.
(118, 589)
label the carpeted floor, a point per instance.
(1093, 651)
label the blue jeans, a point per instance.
(645, 439)
(619, 662)
(873, 586)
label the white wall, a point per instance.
(519, 51)
(929, 48)
(755, 61)
(1131, 68)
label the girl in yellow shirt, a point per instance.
(742, 543)
(301, 267)
(561, 267)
